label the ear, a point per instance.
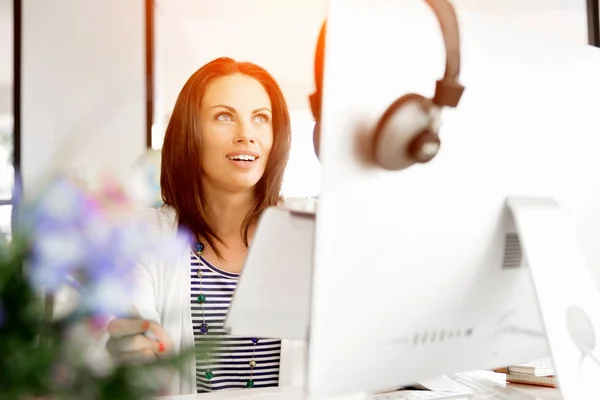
(317, 139)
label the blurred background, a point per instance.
(92, 74)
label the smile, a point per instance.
(243, 157)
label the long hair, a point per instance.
(181, 175)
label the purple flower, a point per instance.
(56, 222)
(84, 238)
(55, 254)
(63, 204)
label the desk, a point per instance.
(291, 393)
(485, 383)
(538, 392)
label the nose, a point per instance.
(244, 134)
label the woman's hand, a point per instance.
(137, 340)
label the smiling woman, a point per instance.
(223, 160)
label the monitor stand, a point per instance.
(568, 299)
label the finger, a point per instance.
(164, 343)
(120, 327)
(132, 343)
(137, 357)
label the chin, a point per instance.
(235, 181)
(243, 185)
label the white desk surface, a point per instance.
(540, 393)
(536, 393)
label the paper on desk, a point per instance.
(444, 383)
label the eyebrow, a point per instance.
(229, 108)
(260, 109)
(225, 107)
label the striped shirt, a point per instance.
(229, 363)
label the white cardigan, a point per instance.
(163, 295)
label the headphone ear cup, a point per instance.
(424, 147)
(403, 132)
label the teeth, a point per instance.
(243, 157)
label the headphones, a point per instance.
(407, 132)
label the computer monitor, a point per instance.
(421, 272)
(418, 272)
(272, 298)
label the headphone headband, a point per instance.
(447, 90)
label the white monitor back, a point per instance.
(414, 271)
(272, 298)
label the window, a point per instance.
(6, 118)
(7, 175)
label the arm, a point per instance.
(144, 300)
(140, 337)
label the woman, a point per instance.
(223, 160)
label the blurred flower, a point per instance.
(55, 254)
(92, 241)
(61, 205)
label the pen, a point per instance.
(150, 335)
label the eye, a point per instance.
(224, 116)
(261, 118)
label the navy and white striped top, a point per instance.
(230, 359)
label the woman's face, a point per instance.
(237, 132)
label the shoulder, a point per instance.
(162, 220)
(160, 227)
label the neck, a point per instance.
(228, 210)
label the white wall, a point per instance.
(278, 35)
(303, 174)
(564, 20)
(83, 87)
